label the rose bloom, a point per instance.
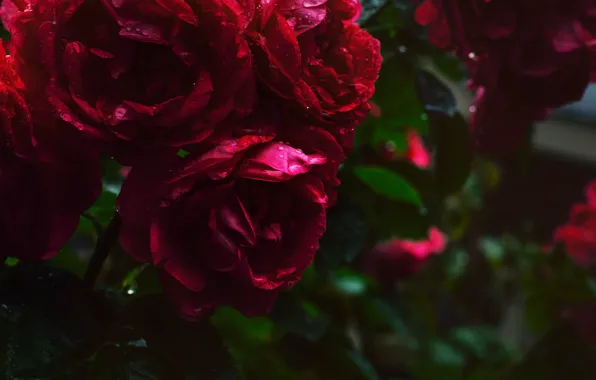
(311, 53)
(524, 57)
(44, 185)
(149, 72)
(397, 259)
(578, 235)
(237, 220)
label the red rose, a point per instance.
(42, 193)
(578, 236)
(525, 56)
(150, 72)
(403, 258)
(237, 220)
(311, 53)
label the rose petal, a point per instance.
(278, 162)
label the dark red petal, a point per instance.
(278, 162)
(143, 32)
(181, 9)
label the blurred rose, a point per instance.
(578, 235)
(525, 57)
(398, 258)
(416, 152)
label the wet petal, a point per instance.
(278, 162)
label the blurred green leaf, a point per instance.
(399, 105)
(189, 350)
(388, 184)
(122, 363)
(345, 237)
(453, 158)
(294, 316)
(439, 361)
(242, 330)
(559, 354)
(350, 282)
(105, 206)
(435, 95)
(449, 65)
(11, 261)
(329, 358)
(70, 260)
(370, 8)
(49, 321)
(401, 220)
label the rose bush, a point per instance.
(44, 184)
(524, 58)
(237, 220)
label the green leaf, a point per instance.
(401, 220)
(11, 261)
(49, 321)
(388, 184)
(450, 65)
(346, 236)
(122, 363)
(370, 8)
(560, 354)
(182, 153)
(366, 368)
(188, 350)
(453, 159)
(440, 361)
(294, 316)
(105, 206)
(329, 358)
(435, 95)
(350, 282)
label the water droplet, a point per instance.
(299, 151)
(67, 118)
(472, 109)
(280, 148)
(281, 156)
(471, 55)
(145, 32)
(402, 49)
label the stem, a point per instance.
(105, 243)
